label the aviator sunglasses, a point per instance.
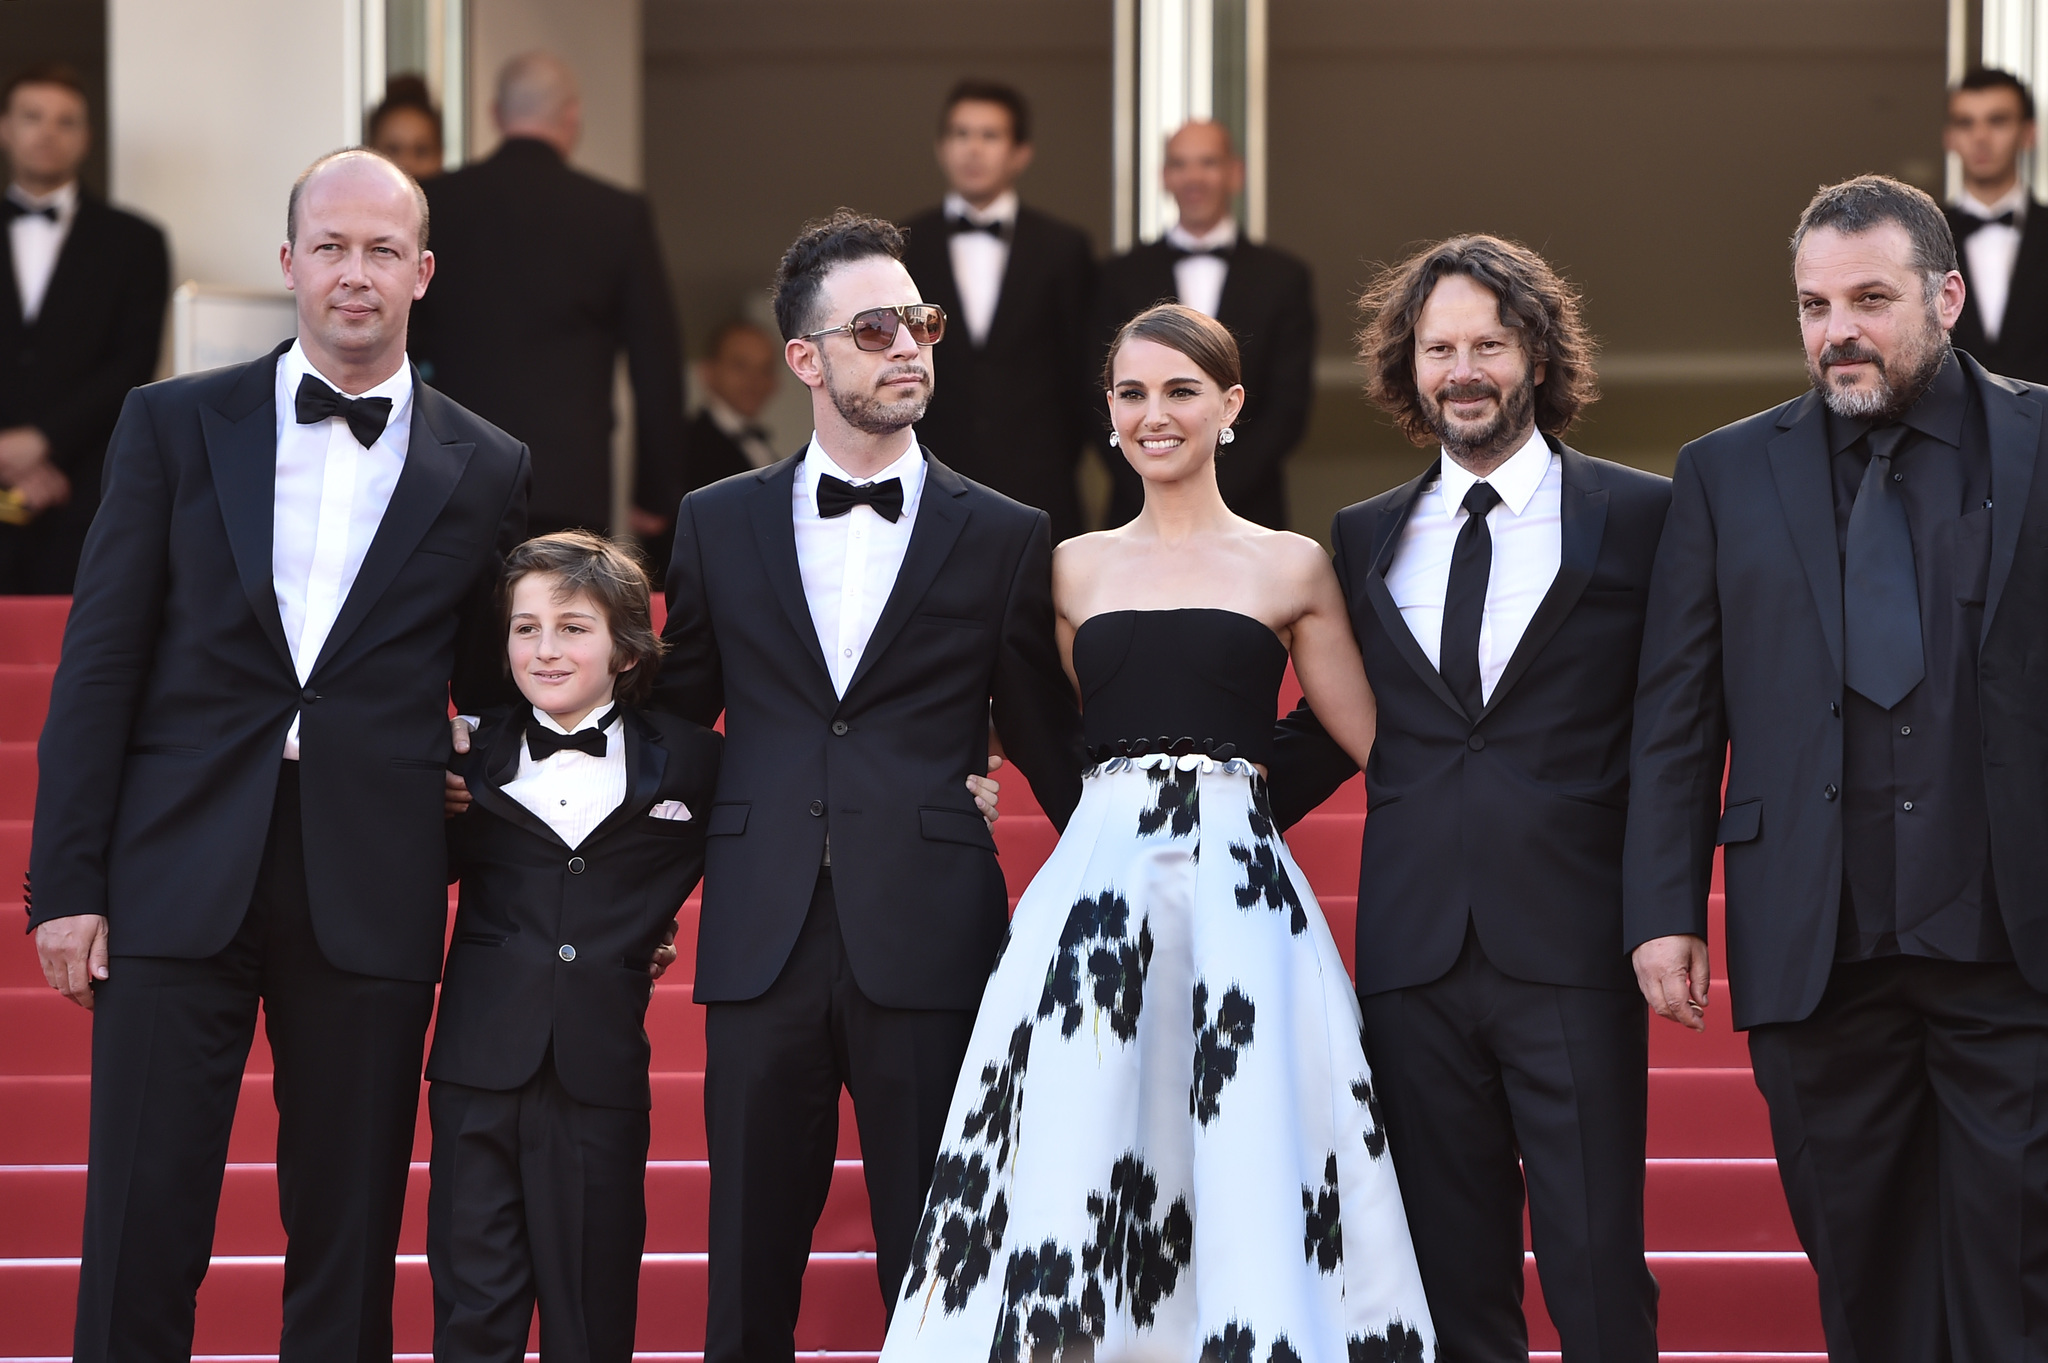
(875, 329)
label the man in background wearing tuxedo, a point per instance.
(1260, 293)
(82, 290)
(739, 377)
(295, 561)
(545, 275)
(2004, 264)
(1498, 601)
(1017, 286)
(863, 616)
(1847, 618)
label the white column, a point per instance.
(1179, 60)
(2016, 40)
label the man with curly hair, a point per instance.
(1498, 600)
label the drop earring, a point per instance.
(1115, 440)
(1225, 436)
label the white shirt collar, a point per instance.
(1003, 210)
(908, 466)
(65, 200)
(1516, 480)
(727, 417)
(589, 721)
(1222, 234)
(2013, 201)
(398, 387)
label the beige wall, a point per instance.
(600, 39)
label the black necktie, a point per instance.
(1968, 223)
(544, 742)
(997, 229)
(1181, 253)
(1465, 600)
(365, 416)
(22, 210)
(1880, 592)
(836, 497)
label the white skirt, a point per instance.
(1165, 1144)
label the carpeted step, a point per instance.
(24, 699)
(33, 627)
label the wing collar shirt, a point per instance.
(979, 259)
(331, 494)
(37, 242)
(849, 563)
(1198, 280)
(571, 791)
(1992, 251)
(1528, 547)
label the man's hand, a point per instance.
(1674, 976)
(665, 954)
(73, 952)
(21, 449)
(42, 486)
(646, 524)
(455, 796)
(986, 792)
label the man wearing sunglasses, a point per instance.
(862, 615)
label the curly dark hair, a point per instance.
(1534, 299)
(841, 239)
(612, 574)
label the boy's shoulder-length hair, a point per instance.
(612, 576)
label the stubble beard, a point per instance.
(868, 412)
(1488, 444)
(1916, 365)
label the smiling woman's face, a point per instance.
(1166, 411)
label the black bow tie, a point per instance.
(1968, 223)
(365, 416)
(759, 433)
(544, 742)
(997, 229)
(16, 209)
(1181, 253)
(836, 497)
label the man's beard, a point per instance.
(869, 412)
(1916, 365)
(1478, 444)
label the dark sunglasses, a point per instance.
(876, 328)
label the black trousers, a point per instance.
(169, 1042)
(1910, 1117)
(1477, 1068)
(773, 1069)
(535, 1195)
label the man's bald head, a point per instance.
(1202, 137)
(537, 97)
(364, 168)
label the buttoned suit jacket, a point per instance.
(2021, 350)
(528, 898)
(1742, 672)
(1510, 820)
(964, 641)
(170, 706)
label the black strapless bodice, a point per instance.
(1179, 681)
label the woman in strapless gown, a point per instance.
(1164, 1145)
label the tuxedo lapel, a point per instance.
(1238, 285)
(1020, 270)
(2012, 419)
(1799, 467)
(241, 452)
(11, 323)
(432, 469)
(1154, 269)
(503, 746)
(1582, 519)
(74, 264)
(941, 516)
(1386, 536)
(646, 761)
(773, 513)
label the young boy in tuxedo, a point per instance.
(585, 836)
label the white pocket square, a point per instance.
(669, 809)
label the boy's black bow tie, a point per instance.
(544, 742)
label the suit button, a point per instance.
(575, 866)
(839, 727)
(1830, 793)
(1477, 743)
(817, 809)
(309, 695)
(567, 953)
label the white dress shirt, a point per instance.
(37, 242)
(571, 791)
(330, 496)
(743, 432)
(1528, 546)
(1198, 280)
(849, 563)
(979, 260)
(1992, 252)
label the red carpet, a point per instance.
(1734, 1282)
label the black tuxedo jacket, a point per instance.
(1511, 819)
(168, 714)
(965, 638)
(542, 275)
(1015, 412)
(96, 336)
(527, 898)
(1267, 305)
(2021, 350)
(1742, 665)
(711, 455)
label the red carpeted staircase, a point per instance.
(1734, 1283)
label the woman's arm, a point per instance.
(1326, 659)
